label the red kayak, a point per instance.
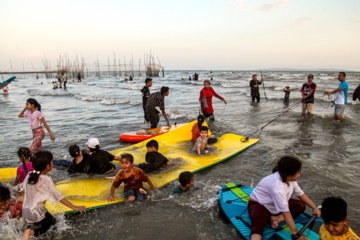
(147, 134)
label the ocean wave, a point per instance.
(177, 114)
(50, 93)
(109, 86)
(103, 100)
(135, 103)
(132, 87)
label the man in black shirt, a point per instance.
(308, 92)
(145, 95)
(254, 85)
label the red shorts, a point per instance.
(259, 215)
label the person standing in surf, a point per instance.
(308, 92)
(254, 86)
(341, 96)
(157, 100)
(271, 198)
(63, 79)
(205, 100)
(32, 111)
(211, 76)
(145, 95)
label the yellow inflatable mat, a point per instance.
(175, 145)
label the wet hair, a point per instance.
(254, 75)
(4, 194)
(204, 128)
(40, 161)
(74, 150)
(185, 178)
(343, 73)
(164, 90)
(200, 120)
(333, 209)
(152, 143)
(35, 103)
(287, 166)
(127, 156)
(147, 80)
(24, 153)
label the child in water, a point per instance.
(133, 178)
(40, 188)
(196, 130)
(186, 180)
(334, 211)
(154, 159)
(32, 111)
(271, 198)
(99, 161)
(201, 146)
(79, 162)
(26, 167)
(12, 209)
(287, 94)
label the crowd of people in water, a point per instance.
(271, 200)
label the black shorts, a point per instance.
(139, 194)
(42, 226)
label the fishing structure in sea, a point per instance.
(117, 68)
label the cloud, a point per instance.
(300, 21)
(251, 5)
(354, 20)
(268, 7)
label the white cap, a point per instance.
(92, 142)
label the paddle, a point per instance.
(263, 86)
(298, 235)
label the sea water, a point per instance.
(104, 108)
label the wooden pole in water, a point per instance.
(125, 67)
(11, 65)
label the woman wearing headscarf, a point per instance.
(205, 100)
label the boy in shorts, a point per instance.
(335, 226)
(186, 180)
(133, 178)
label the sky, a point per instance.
(184, 35)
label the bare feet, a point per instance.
(275, 220)
(29, 233)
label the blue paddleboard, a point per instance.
(6, 82)
(233, 203)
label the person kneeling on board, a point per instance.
(271, 199)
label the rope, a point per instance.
(261, 129)
(327, 101)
